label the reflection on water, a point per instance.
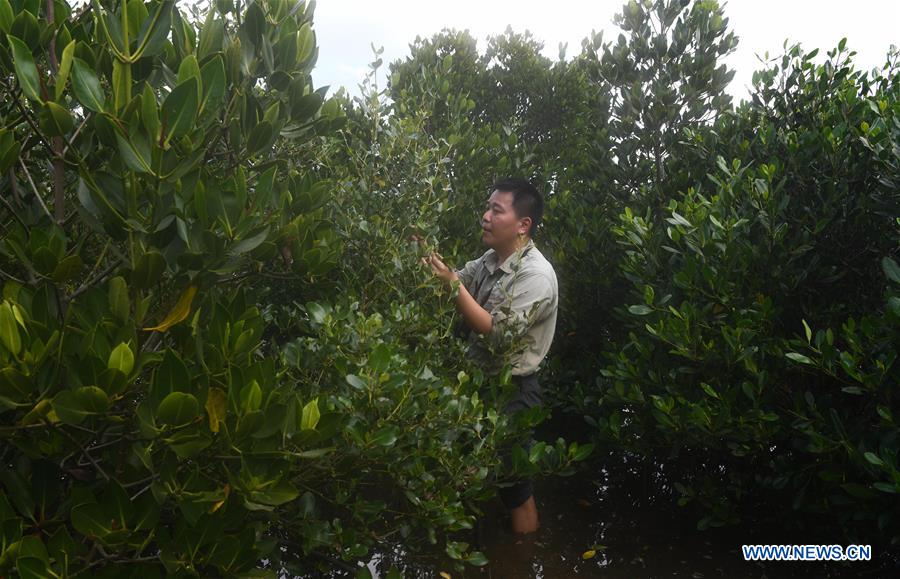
(606, 525)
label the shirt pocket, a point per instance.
(497, 297)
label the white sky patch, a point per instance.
(346, 29)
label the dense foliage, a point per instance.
(219, 353)
(182, 391)
(728, 275)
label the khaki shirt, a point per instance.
(522, 296)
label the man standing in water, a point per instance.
(510, 290)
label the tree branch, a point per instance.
(90, 283)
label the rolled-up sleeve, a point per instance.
(467, 273)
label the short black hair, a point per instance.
(527, 201)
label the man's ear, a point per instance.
(525, 225)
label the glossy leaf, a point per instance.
(122, 359)
(65, 66)
(87, 86)
(310, 415)
(178, 408)
(135, 152)
(9, 330)
(26, 71)
(179, 109)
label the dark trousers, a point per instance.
(528, 396)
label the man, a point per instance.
(510, 291)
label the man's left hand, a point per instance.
(440, 269)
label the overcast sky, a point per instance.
(346, 28)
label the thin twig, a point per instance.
(75, 134)
(23, 427)
(34, 188)
(10, 207)
(143, 490)
(88, 284)
(14, 185)
(85, 453)
(12, 277)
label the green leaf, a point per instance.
(121, 85)
(154, 31)
(306, 43)
(149, 270)
(90, 520)
(122, 359)
(709, 390)
(310, 415)
(6, 16)
(150, 112)
(33, 561)
(316, 312)
(9, 330)
(188, 69)
(476, 558)
(580, 452)
(54, 120)
(356, 381)
(87, 86)
(886, 487)
(260, 137)
(188, 444)
(65, 65)
(249, 244)
(798, 358)
(26, 71)
(891, 269)
(73, 406)
(874, 458)
(281, 493)
(251, 397)
(808, 331)
(640, 310)
(113, 36)
(14, 385)
(179, 110)
(178, 408)
(119, 302)
(135, 151)
(386, 436)
(213, 76)
(68, 268)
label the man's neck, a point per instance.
(503, 255)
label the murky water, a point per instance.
(603, 525)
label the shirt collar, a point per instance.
(506, 267)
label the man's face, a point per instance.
(500, 226)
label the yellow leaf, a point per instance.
(215, 407)
(179, 312)
(589, 554)
(40, 410)
(218, 504)
(445, 575)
